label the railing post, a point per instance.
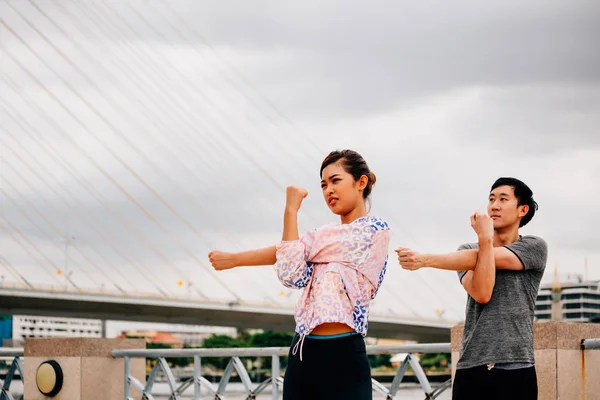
(127, 388)
(16, 366)
(197, 374)
(420, 374)
(275, 376)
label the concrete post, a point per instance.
(89, 371)
(564, 371)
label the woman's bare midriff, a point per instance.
(331, 328)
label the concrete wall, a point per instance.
(564, 371)
(90, 371)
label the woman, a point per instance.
(340, 268)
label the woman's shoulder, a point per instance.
(373, 222)
(377, 223)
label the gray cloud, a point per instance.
(441, 100)
(394, 52)
(323, 61)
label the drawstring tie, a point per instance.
(299, 343)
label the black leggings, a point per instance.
(496, 384)
(330, 369)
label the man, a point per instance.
(501, 274)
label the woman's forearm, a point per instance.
(264, 256)
(290, 225)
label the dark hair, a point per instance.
(523, 194)
(354, 164)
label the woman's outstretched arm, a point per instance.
(222, 260)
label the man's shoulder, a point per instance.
(532, 239)
(529, 242)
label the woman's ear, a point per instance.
(362, 182)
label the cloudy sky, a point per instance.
(150, 133)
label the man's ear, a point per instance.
(523, 210)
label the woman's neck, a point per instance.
(358, 211)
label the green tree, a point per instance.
(271, 339)
(380, 360)
(174, 361)
(435, 360)
(220, 342)
(244, 335)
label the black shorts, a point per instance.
(495, 384)
(331, 369)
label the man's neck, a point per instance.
(505, 236)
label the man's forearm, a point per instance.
(264, 256)
(484, 274)
(466, 260)
(457, 261)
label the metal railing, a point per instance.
(236, 365)
(275, 382)
(16, 366)
(590, 344)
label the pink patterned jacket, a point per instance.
(340, 267)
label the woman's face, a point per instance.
(340, 191)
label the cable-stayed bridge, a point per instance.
(189, 310)
(131, 146)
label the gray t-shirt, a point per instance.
(501, 331)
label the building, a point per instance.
(180, 335)
(194, 335)
(14, 329)
(154, 337)
(574, 301)
(6, 331)
(25, 326)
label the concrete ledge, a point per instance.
(78, 347)
(547, 335)
(564, 371)
(89, 369)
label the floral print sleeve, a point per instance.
(375, 264)
(292, 268)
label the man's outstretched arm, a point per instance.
(464, 260)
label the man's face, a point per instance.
(504, 209)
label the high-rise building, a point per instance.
(575, 301)
(18, 327)
(38, 327)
